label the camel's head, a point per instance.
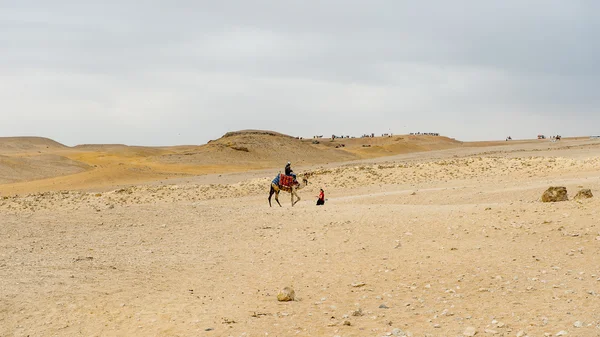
(302, 181)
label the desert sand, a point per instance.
(419, 237)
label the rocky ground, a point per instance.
(458, 246)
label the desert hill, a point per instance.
(387, 146)
(32, 158)
(28, 144)
(258, 149)
(33, 164)
(15, 169)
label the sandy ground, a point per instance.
(426, 244)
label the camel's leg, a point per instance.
(277, 197)
(277, 190)
(271, 194)
(292, 195)
(297, 197)
(274, 189)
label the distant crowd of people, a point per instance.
(424, 134)
(552, 138)
(366, 135)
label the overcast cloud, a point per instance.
(184, 72)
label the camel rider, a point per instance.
(288, 170)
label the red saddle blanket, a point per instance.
(286, 180)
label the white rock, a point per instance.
(521, 333)
(562, 333)
(398, 332)
(578, 324)
(470, 331)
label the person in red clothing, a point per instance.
(321, 200)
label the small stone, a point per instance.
(358, 284)
(521, 333)
(286, 294)
(383, 306)
(578, 324)
(562, 333)
(470, 331)
(209, 329)
(490, 331)
(398, 332)
(357, 312)
(584, 194)
(347, 323)
(437, 326)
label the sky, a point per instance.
(185, 72)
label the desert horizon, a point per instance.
(54, 165)
(419, 236)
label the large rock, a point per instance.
(584, 194)
(555, 194)
(286, 294)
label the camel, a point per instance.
(276, 188)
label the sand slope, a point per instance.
(15, 169)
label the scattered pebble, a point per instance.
(398, 332)
(357, 313)
(286, 294)
(470, 331)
